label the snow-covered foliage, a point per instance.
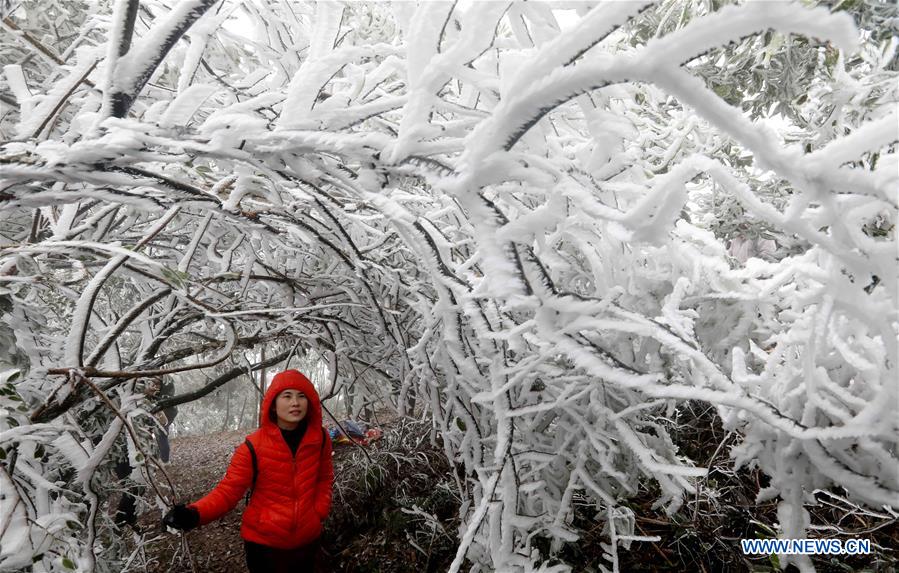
(543, 224)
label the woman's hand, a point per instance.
(181, 517)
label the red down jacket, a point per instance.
(293, 493)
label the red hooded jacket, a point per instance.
(293, 493)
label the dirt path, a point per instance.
(367, 530)
(197, 464)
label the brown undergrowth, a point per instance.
(392, 511)
(395, 511)
(705, 534)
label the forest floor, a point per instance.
(197, 464)
(368, 529)
(395, 511)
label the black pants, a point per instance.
(264, 559)
(162, 441)
(126, 512)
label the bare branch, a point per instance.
(218, 382)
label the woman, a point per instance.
(291, 494)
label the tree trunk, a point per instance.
(243, 408)
(227, 416)
(261, 385)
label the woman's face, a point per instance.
(290, 408)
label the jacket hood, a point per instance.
(292, 380)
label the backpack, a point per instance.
(256, 462)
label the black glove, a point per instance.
(181, 517)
